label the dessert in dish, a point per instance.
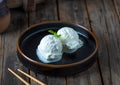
(70, 39)
(70, 64)
(50, 49)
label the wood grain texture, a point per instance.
(1, 55)
(117, 7)
(105, 24)
(75, 11)
(44, 12)
(18, 21)
(99, 27)
(89, 77)
(113, 27)
(56, 80)
(29, 5)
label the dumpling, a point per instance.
(50, 49)
(70, 39)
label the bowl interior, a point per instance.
(31, 38)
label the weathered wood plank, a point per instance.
(18, 22)
(105, 24)
(75, 11)
(112, 21)
(117, 7)
(113, 26)
(45, 12)
(1, 55)
(56, 80)
(86, 78)
(99, 27)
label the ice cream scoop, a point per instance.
(70, 39)
(50, 49)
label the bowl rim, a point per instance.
(53, 65)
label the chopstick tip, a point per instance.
(18, 69)
(9, 69)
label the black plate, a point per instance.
(80, 60)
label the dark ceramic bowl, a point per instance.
(70, 64)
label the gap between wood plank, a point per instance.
(111, 21)
(108, 50)
(57, 6)
(116, 9)
(2, 56)
(93, 31)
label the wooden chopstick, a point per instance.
(25, 82)
(36, 80)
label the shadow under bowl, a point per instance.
(70, 64)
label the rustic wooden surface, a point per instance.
(100, 16)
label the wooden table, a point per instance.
(100, 16)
